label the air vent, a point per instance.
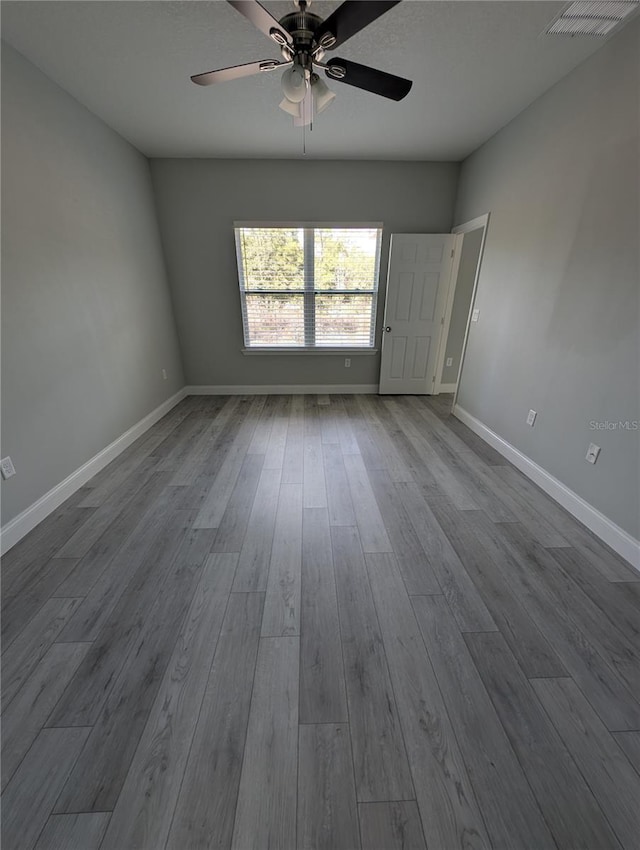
(597, 18)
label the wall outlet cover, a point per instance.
(531, 417)
(449, 361)
(592, 453)
(7, 468)
(475, 315)
(347, 362)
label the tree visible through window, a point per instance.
(308, 287)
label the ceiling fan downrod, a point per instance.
(302, 27)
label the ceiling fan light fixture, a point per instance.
(317, 99)
(294, 83)
(322, 94)
(290, 108)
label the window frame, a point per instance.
(309, 292)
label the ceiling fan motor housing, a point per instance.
(302, 26)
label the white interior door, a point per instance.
(419, 277)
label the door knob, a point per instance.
(387, 329)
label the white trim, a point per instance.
(22, 524)
(447, 388)
(448, 312)
(301, 225)
(340, 352)
(283, 389)
(474, 224)
(619, 540)
(467, 227)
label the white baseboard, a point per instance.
(447, 388)
(283, 389)
(619, 540)
(22, 524)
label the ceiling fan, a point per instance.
(303, 39)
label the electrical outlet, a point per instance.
(347, 362)
(531, 417)
(592, 453)
(164, 374)
(475, 315)
(449, 361)
(7, 467)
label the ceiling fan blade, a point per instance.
(351, 17)
(369, 79)
(262, 19)
(236, 71)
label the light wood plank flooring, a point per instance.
(323, 623)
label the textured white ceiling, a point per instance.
(475, 65)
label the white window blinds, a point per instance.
(308, 287)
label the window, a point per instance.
(308, 287)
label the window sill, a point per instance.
(350, 352)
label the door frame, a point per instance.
(481, 221)
(448, 310)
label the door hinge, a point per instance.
(452, 252)
(433, 380)
(442, 321)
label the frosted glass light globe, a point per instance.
(294, 84)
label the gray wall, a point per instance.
(198, 201)
(471, 244)
(560, 282)
(87, 324)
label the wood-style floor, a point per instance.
(323, 623)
